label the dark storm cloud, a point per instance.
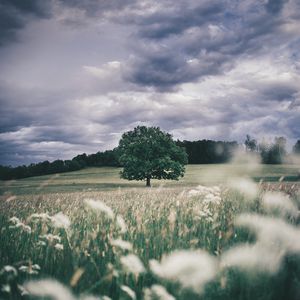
(279, 92)
(275, 6)
(14, 14)
(165, 69)
(175, 18)
(198, 69)
(95, 7)
(214, 34)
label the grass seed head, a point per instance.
(192, 269)
(100, 206)
(157, 292)
(132, 264)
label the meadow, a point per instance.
(221, 232)
(107, 178)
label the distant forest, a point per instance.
(199, 152)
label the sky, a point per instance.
(76, 74)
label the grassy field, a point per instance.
(218, 233)
(98, 179)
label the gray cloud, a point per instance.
(14, 14)
(174, 19)
(275, 6)
(83, 72)
(213, 34)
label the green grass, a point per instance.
(98, 179)
(172, 216)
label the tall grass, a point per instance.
(221, 242)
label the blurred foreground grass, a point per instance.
(233, 239)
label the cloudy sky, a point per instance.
(75, 74)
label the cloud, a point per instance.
(182, 43)
(275, 6)
(175, 19)
(83, 72)
(14, 14)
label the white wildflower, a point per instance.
(193, 193)
(132, 264)
(211, 198)
(204, 190)
(9, 271)
(277, 201)
(157, 292)
(252, 258)
(172, 218)
(23, 268)
(245, 186)
(42, 216)
(209, 194)
(11, 198)
(26, 228)
(128, 291)
(121, 224)
(41, 243)
(22, 291)
(203, 212)
(18, 224)
(51, 238)
(100, 206)
(89, 297)
(36, 267)
(32, 270)
(275, 233)
(14, 220)
(60, 220)
(48, 288)
(124, 245)
(59, 247)
(5, 288)
(275, 238)
(192, 269)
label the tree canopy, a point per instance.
(148, 153)
(296, 148)
(250, 144)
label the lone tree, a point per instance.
(148, 152)
(250, 144)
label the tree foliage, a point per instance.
(296, 148)
(250, 144)
(99, 159)
(273, 153)
(148, 152)
(208, 151)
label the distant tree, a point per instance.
(81, 159)
(278, 151)
(57, 166)
(296, 148)
(273, 153)
(250, 144)
(208, 151)
(263, 149)
(148, 152)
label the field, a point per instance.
(221, 232)
(99, 179)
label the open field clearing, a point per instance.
(91, 233)
(98, 179)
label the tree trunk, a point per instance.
(148, 182)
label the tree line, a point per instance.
(198, 152)
(99, 159)
(271, 152)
